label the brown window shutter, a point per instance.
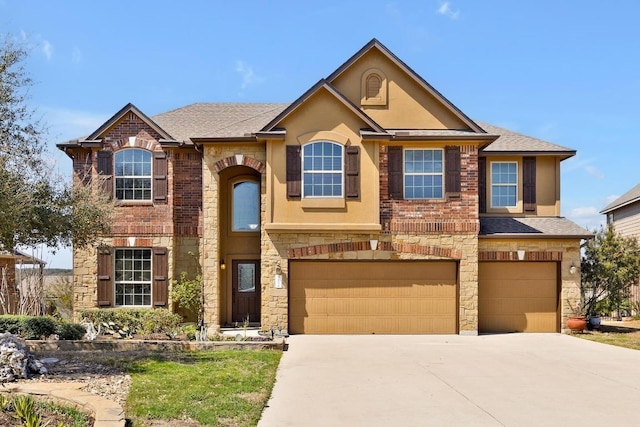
(105, 170)
(105, 277)
(352, 172)
(294, 172)
(529, 183)
(160, 171)
(482, 184)
(452, 171)
(160, 281)
(395, 172)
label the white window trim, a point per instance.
(404, 173)
(341, 196)
(116, 177)
(134, 282)
(491, 185)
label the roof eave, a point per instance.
(221, 139)
(534, 236)
(473, 137)
(563, 154)
(621, 205)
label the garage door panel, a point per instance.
(517, 297)
(373, 297)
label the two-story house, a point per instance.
(624, 215)
(371, 204)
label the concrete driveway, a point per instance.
(492, 380)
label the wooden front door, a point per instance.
(246, 290)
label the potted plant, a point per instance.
(577, 321)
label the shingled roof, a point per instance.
(532, 227)
(513, 142)
(217, 120)
(627, 198)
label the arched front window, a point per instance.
(246, 206)
(322, 169)
(133, 174)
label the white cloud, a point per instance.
(47, 49)
(76, 55)
(588, 217)
(446, 10)
(249, 77)
(594, 172)
(65, 124)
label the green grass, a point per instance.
(218, 388)
(622, 334)
(74, 417)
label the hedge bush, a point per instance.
(123, 322)
(37, 327)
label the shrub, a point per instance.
(70, 331)
(11, 323)
(122, 322)
(38, 327)
(160, 321)
(186, 294)
(60, 297)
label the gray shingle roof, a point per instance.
(219, 120)
(531, 227)
(226, 120)
(627, 198)
(510, 141)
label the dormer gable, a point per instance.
(318, 88)
(394, 95)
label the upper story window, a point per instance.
(132, 277)
(322, 169)
(423, 174)
(504, 184)
(133, 174)
(245, 206)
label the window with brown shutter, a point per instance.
(395, 172)
(105, 170)
(452, 170)
(160, 280)
(482, 184)
(352, 172)
(529, 183)
(105, 277)
(294, 172)
(160, 187)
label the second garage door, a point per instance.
(364, 297)
(517, 297)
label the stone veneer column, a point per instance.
(209, 250)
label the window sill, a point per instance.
(133, 203)
(295, 227)
(320, 203)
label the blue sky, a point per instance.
(567, 72)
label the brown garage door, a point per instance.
(364, 297)
(517, 297)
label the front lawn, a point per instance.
(218, 388)
(622, 334)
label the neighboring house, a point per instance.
(624, 215)
(12, 279)
(371, 204)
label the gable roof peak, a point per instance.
(322, 84)
(129, 108)
(375, 43)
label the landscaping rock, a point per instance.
(15, 360)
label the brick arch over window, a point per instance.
(332, 248)
(143, 140)
(239, 160)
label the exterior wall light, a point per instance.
(222, 264)
(573, 269)
(277, 278)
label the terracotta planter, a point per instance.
(576, 323)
